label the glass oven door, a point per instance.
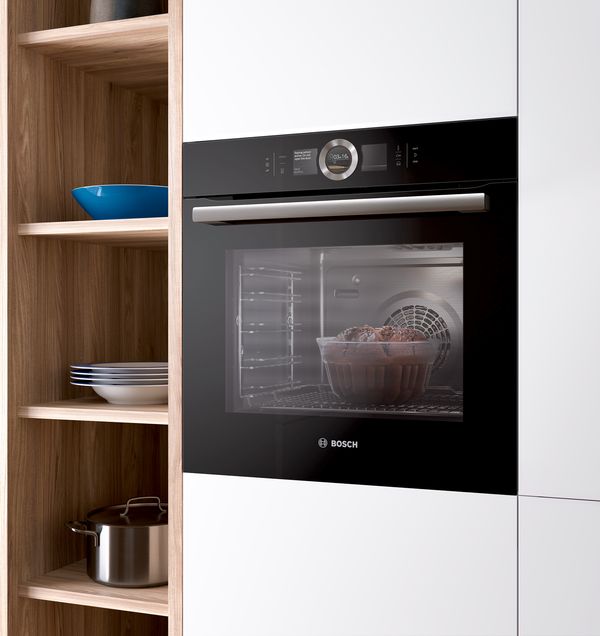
(354, 350)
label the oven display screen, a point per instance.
(338, 159)
(305, 162)
(374, 157)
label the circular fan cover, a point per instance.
(429, 323)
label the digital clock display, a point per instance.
(338, 159)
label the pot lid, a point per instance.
(139, 511)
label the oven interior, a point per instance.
(282, 300)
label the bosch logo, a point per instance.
(337, 443)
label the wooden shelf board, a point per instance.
(72, 585)
(132, 53)
(147, 232)
(92, 409)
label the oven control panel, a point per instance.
(375, 157)
(339, 158)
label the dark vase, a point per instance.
(103, 10)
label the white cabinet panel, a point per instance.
(559, 208)
(272, 67)
(283, 558)
(559, 567)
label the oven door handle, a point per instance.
(214, 214)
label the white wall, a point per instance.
(272, 67)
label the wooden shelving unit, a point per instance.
(91, 409)
(71, 584)
(85, 104)
(153, 232)
(130, 53)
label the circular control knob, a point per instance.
(338, 159)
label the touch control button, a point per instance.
(338, 159)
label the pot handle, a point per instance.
(80, 528)
(155, 500)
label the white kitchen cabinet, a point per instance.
(266, 557)
(559, 567)
(559, 209)
(272, 67)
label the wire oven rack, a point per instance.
(250, 360)
(438, 402)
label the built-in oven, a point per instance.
(350, 306)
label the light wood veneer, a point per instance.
(131, 53)
(4, 241)
(151, 232)
(71, 584)
(175, 319)
(92, 409)
(100, 296)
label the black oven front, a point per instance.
(350, 307)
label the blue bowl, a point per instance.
(123, 201)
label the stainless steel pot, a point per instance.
(101, 10)
(126, 544)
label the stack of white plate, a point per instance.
(124, 382)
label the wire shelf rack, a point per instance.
(439, 402)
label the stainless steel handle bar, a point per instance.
(212, 214)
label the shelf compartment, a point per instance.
(131, 53)
(72, 585)
(146, 232)
(92, 409)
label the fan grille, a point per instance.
(429, 323)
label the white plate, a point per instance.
(133, 395)
(82, 382)
(120, 372)
(124, 382)
(122, 367)
(120, 376)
